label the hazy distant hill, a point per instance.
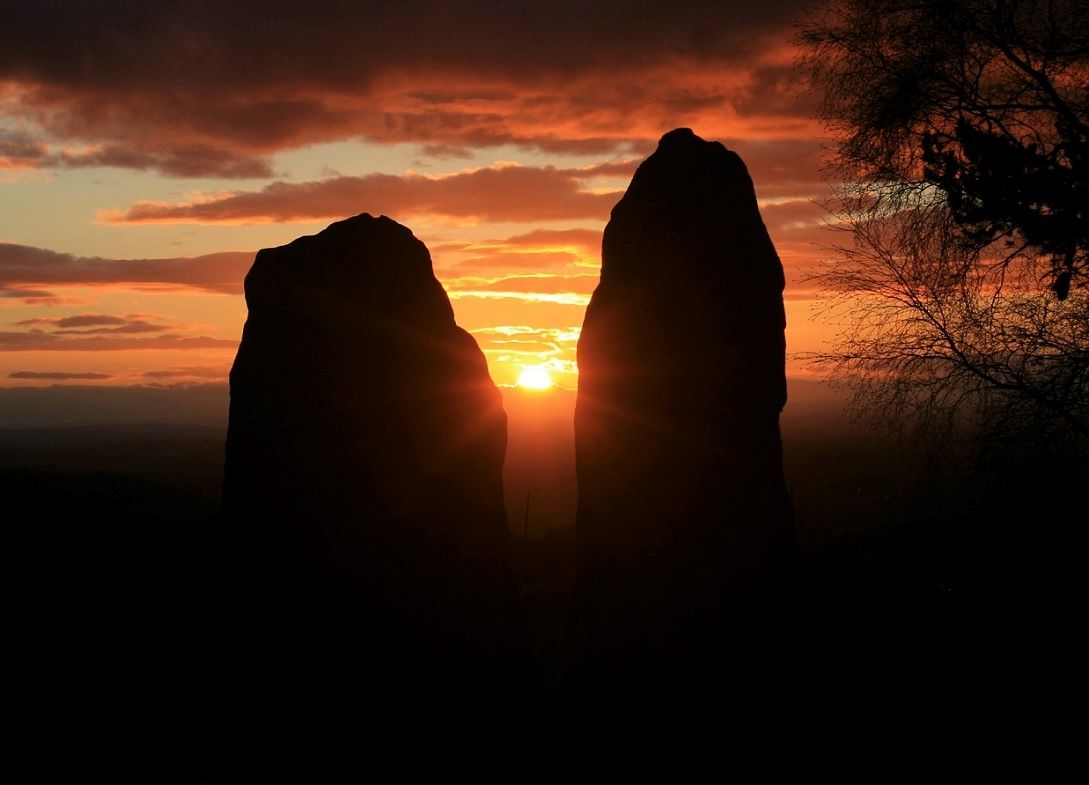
(206, 404)
(885, 551)
(175, 436)
(178, 432)
(65, 405)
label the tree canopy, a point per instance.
(987, 100)
(962, 133)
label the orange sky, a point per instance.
(146, 154)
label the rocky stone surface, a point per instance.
(363, 499)
(685, 538)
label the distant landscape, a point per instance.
(174, 437)
(881, 543)
(912, 591)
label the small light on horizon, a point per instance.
(535, 377)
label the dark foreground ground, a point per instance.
(920, 586)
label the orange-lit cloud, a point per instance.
(94, 324)
(540, 283)
(496, 258)
(206, 89)
(104, 332)
(541, 249)
(23, 269)
(583, 239)
(12, 295)
(58, 376)
(503, 193)
(12, 341)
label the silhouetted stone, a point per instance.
(685, 539)
(363, 496)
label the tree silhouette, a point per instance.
(965, 156)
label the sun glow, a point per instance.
(535, 377)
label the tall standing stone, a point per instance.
(363, 497)
(685, 539)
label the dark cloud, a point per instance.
(104, 332)
(204, 88)
(88, 320)
(250, 44)
(94, 324)
(178, 161)
(16, 293)
(37, 341)
(778, 90)
(498, 193)
(20, 150)
(24, 268)
(128, 328)
(40, 299)
(81, 320)
(784, 167)
(447, 151)
(192, 371)
(98, 324)
(57, 375)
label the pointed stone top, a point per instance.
(687, 173)
(690, 206)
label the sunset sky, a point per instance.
(147, 150)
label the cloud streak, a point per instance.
(104, 332)
(12, 341)
(25, 269)
(503, 193)
(540, 283)
(58, 376)
(95, 324)
(556, 298)
(190, 372)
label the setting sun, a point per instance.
(535, 377)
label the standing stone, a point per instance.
(363, 496)
(685, 539)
